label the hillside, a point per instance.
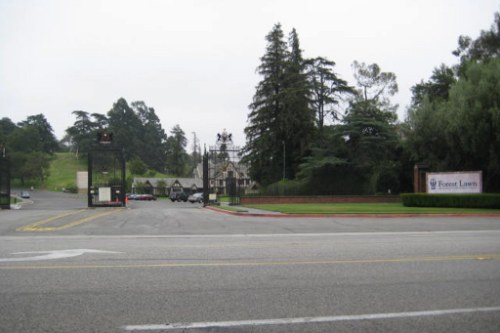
(64, 166)
(63, 170)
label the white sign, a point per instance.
(455, 182)
(82, 179)
(105, 194)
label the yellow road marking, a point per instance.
(37, 225)
(265, 263)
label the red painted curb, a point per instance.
(284, 215)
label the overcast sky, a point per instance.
(194, 61)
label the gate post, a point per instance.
(205, 178)
(106, 174)
(4, 180)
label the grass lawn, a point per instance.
(366, 208)
(63, 170)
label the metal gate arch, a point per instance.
(221, 170)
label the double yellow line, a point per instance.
(40, 225)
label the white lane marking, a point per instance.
(304, 320)
(491, 232)
(51, 255)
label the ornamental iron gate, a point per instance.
(106, 176)
(4, 180)
(223, 174)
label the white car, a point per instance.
(196, 197)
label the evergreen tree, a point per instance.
(437, 88)
(264, 131)
(126, 128)
(153, 137)
(177, 158)
(327, 89)
(45, 131)
(297, 120)
(83, 133)
(280, 123)
(370, 130)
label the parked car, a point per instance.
(196, 197)
(146, 197)
(25, 194)
(178, 196)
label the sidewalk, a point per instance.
(251, 212)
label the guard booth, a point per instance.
(4, 180)
(106, 174)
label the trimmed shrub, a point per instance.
(483, 200)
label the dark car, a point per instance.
(178, 196)
(196, 197)
(146, 197)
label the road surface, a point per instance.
(175, 267)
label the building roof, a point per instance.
(185, 182)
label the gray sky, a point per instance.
(194, 61)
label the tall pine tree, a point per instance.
(280, 123)
(298, 117)
(262, 150)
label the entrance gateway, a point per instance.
(223, 173)
(106, 174)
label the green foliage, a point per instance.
(47, 140)
(63, 168)
(365, 208)
(486, 46)
(327, 89)
(454, 122)
(177, 158)
(137, 167)
(284, 188)
(437, 88)
(281, 123)
(462, 133)
(136, 129)
(82, 135)
(485, 200)
(359, 155)
(29, 147)
(152, 137)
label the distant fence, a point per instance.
(256, 200)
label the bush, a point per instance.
(484, 200)
(284, 188)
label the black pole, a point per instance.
(205, 178)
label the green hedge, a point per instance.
(484, 200)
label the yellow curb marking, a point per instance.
(37, 225)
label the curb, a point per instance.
(283, 215)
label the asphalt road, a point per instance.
(165, 267)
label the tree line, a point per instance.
(308, 126)
(29, 145)
(324, 136)
(138, 131)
